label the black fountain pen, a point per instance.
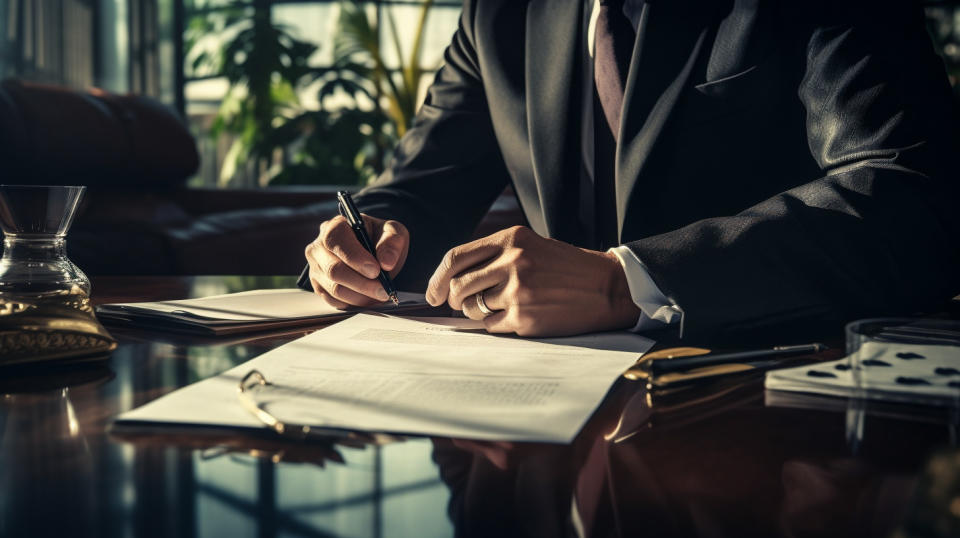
(349, 211)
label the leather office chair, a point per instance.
(138, 216)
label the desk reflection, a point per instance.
(63, 473)
(712, 461)
(726, 466)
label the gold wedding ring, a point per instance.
(484, 309)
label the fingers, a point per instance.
(314, 275)
(464, 286)
(342, 271)
(456, 261)
(503, 321)
(345, 284)
(471, 309)
(338, 238)
(330, 301)
(508, 315)
(340, 297)
(493, 297)
(393, 245)
(311, 254)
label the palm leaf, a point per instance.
(414, 70)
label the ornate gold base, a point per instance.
(51, 330)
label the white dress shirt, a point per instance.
(656, 309)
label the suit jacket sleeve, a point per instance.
(878, 234)
(447, 170)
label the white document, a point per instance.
(894, 372)
(428, 376)
(242, 312)
(255, 305)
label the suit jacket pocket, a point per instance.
(727, 85)
(715, 99)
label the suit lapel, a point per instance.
(552, 36)
(670, 37)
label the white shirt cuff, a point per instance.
(656, 309)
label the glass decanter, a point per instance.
(34, 269)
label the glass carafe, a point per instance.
(34, 268)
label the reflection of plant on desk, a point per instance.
(364, 106)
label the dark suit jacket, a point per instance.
(780, 161)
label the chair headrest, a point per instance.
(56, 136)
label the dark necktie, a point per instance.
(613, 45)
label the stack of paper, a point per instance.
(239, 312)
(429, 376)
(928, 374)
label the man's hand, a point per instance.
(343, 273)
(536, 286)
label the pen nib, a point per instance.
(396, 301)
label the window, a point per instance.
(118, 45)
(274, 99)
(317, 127)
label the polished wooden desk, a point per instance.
(723, 460)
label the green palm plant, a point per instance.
(337, 143)
(267, 67)
(264, 64)
(358, 60)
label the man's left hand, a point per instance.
(535, 286)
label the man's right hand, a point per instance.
(343, 273)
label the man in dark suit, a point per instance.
(704, 163)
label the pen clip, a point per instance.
(348, 209)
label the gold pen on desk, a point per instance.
(673, 360)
